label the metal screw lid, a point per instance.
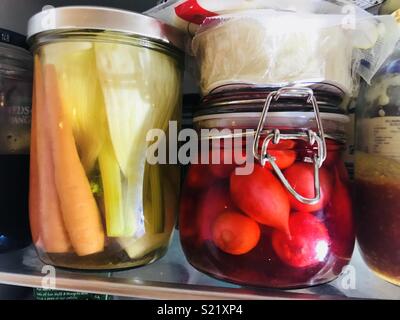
(101, 18)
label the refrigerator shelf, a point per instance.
(173, 278)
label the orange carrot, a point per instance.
(81, 215)
(34, 217)
(46, 219)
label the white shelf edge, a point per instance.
(154, 290)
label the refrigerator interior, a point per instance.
(14, 15)
(167, 277)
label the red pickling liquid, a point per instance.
(312, 250)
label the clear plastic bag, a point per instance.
(280, 42)
(188, 15)
(269, 47)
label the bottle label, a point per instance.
(13, 38)
(349, 158)
(381, 136)
(42, 294)
(15, 117)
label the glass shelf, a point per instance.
(173, 278)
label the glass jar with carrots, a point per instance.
(274, 210)
(95, 202)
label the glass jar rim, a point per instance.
(334, 124)
(14, 52)
(341, 118)
(15, 62)
(252, 99)
(76, 36)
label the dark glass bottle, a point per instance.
(15, 119)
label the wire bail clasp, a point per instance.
(276, 136)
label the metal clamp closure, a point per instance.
(276, 136)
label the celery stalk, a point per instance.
(139, 86)
(111, 180)
(138, 248)
(155, 216)
(128, 109)
(128, 105)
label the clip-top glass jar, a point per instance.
(100, 87)
(285, 223)
(15, 122)
(377, 171)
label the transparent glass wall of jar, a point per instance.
(15, 121)
(248, 229)
(96, 203)
(377, 171)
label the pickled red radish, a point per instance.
(214, 201)
(343, 172)
(306, 253)
(283, 158)
(301, 177)
(282, 145)
(187, 224)
(224, 161)
(339, 219)
(199, 176)
(235, 233)
(334, 153)
(332, 158)
(283, 153)
(307, 245)
(262, 197)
